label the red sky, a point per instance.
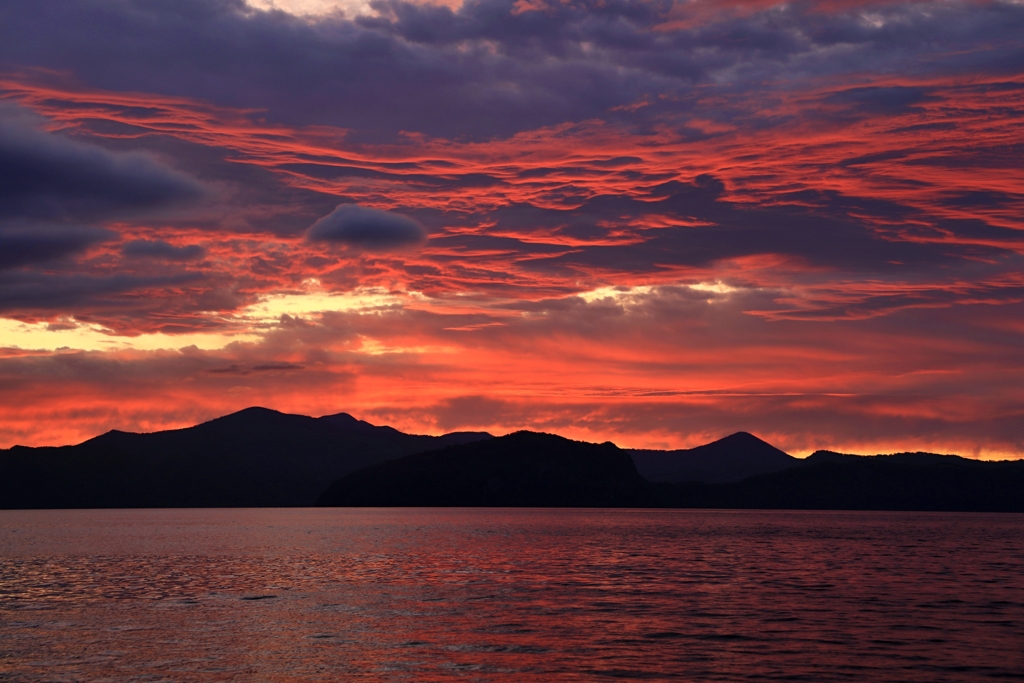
(654, 223)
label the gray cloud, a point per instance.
(51, 187)
(159, 249)
(484, 70)
(53, 177)
(367, 229)
(25, 245)
(34, 291)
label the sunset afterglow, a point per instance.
(649, 222)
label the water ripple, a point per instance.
(509, 595)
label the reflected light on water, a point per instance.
(509, 595)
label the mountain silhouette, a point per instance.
(253, 458)
(918, 459)
(528, 469)
(836, 481)
(522, 469)
(733, 458)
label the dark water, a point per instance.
(509, 595)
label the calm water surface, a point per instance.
(509, 595)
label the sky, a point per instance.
(654, 222)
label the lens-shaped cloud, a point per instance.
(367, 229)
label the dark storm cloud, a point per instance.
(252, 194)
(49, 176)
(368, 229)
(486, 69)
(158, 249)
(25, 245)
(42, 292)
(51, 187)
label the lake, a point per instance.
(509, 595)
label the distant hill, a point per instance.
(834, 481)
(540, 470)
(525, 469)
(918, 459)
(253, 458)
(733, 458)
